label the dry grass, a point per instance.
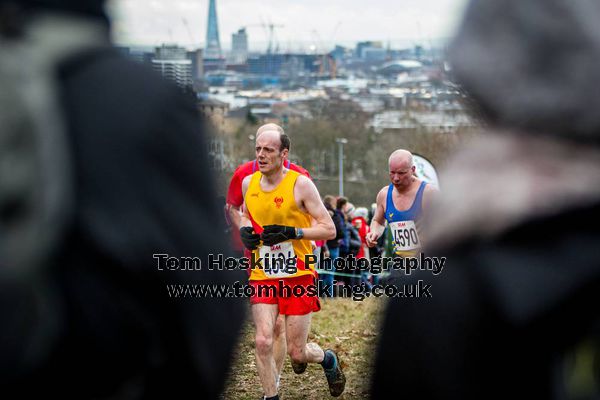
(349, 327)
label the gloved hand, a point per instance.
(273, 234)
(250, 239)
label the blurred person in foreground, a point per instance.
(84, 306)
(518, 298)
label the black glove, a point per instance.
(273, 234)
(250, 239)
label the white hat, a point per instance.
(361, 212)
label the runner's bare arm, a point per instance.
(429, 195)
(249, 237)
(244, 216)
(378, 223)
(233, 202)
(308, 198)
(235, 215)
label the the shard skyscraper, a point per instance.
(213, 45)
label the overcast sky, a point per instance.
(306, 23)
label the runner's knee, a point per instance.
(297, 354)
(264, 343)
(280, 327)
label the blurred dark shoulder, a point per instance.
(139, 146)
(106, 79)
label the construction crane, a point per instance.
(332, 62)
(269, 29)
(326, 59)
(187, 27)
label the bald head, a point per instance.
(269, 127)
(401, 158)
(402, 169)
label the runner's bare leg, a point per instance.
(264, 317)
(279, 344)
(297, 328)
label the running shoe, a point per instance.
(335, 376)
(299, 368)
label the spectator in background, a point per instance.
(377, 249)
(340, 206)
(318, 251)
(332, 246)
(518, 298)
(354, 244)
(359, 221)
(90, 317)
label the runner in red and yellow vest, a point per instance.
(278, 207)
(284, 234)
(235, 198)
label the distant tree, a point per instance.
(365, 155)
(251, 118)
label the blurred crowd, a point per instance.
(352, 225)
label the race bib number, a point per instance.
(405, 236)
(278, 261)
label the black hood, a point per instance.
(91, 8)
(532, 65)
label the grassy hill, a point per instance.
(349, 327)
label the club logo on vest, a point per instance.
(278, 201)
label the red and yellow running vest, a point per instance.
(278, 207)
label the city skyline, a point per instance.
(306, 25)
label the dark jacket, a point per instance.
(338, 221)
(514, 312)
(142, 187)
